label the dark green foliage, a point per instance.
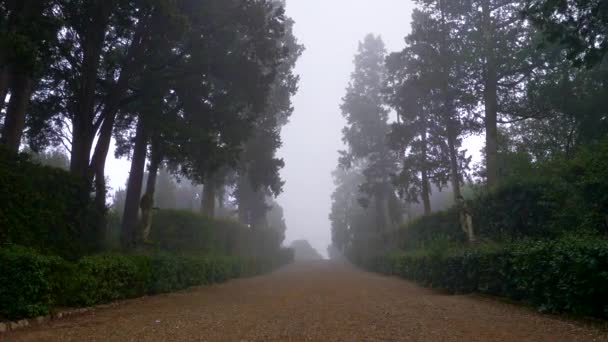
(515, 210)
(42, 207)
(554, 198)
(187, 232)
(31, 283)
(25, 286)
(440, 226)
(581, 26)
(105, 278)
(566, 275)
(588, 186)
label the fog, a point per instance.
(330, 30)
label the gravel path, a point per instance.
(313, 302)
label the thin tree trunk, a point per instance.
(426, 198)
(259, 210)
(454, 169)
(134, 185)
(97, 171)
(14, 122)
(4, 85)
(426, 188)
(209, 191)
(98, 163)
(242, 187)
(147, 201)
(490, 99)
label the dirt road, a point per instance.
(313, 302)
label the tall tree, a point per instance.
(499, 59)
(28, 31)
(366, 133)
(258, 171)
(223, 85)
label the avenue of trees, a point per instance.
(187, 89)
(528, 75)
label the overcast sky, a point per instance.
(330, 30)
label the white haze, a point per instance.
(330, 30)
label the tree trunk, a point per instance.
(449, 113)
(98, 164)
(208, 204)
(490, 98)
(4, 85)
(97, 172)
(111, 107)
(259, 210)
(134, 185)
(14, 122)
(426, 187)
(147, 201)
(84, 116)
(454, 168)
(426, 198)
(241, 196)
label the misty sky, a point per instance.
(330, 30)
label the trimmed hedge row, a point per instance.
(44, 207)
(179, 231)
(566, 275)
(31, 284)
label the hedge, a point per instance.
(44, 207)
(179, 231)
(566, 275)
(31, 283)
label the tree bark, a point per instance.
(14, 122)
(147, 201)
(454, 168)
(449, 113)
(4, 84)
(209, 192)
(111, 108)
(241, 197)
(134, 187)
(426, 188)
(84, 116)
(490, 98)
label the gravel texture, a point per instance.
(313, 302)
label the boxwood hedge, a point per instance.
(31, 283)
(564, 275)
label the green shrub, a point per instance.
(26, 287)
(426, 230)
(31, 283)
(516, 210)
(43, 207)
(178, 231)
(105, 278)
(566, 275)
(586, 193)
(183, 231)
